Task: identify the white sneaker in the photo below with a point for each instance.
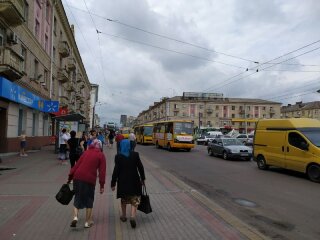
(88, 225)
(74, 222)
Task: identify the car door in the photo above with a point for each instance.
(296, 156)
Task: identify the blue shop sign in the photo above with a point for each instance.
(18, 94)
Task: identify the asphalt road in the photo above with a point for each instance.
(279, 203)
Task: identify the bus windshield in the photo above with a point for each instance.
(148, 131)
(183, 128)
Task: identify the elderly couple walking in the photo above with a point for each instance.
(128, 175)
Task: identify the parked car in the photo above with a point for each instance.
(245, 138)
(229, 148)
(208, 137)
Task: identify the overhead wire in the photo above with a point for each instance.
(169, 38)
(173, 51)
(257, 69)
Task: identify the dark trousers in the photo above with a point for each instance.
(132, 145)
(73, 159)
(118, 147)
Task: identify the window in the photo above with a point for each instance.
(209, 123)
(1, 40)
(224, 115)
(224, 107)
(175, 106)
(217, 107)
(37, 29)
(256, 115)
(200, 114)
(48, 8)
(54, 54)
(36, 69)
(24, 55)
(45, 78)
(233, 115)
(296, 140)
(256, 108)
(175, 114)
(46, 43)
(26, 12)
(217, 114)
(200, 106)
(233, 107)
(55, 26)
(263, 108)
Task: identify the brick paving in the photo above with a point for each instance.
(28, 209)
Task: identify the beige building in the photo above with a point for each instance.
(40, 64)
(211, 109)
(301, 110)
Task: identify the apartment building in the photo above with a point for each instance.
(211, 109)
(301, 110)
(40, 67)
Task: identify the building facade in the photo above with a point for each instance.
(39, 63)
(211, 109)
(301, 110)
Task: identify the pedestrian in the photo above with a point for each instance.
(67, 149)
(132, 138)
(63, 145)
(128, 176)
(84, 176)
(111, 137)
(101, 138)
(84, 138)
(23, 144)
(119, 138)
(93, 135)
(73, 145)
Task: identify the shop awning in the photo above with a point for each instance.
(74, 117)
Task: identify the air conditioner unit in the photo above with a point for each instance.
(12, 38)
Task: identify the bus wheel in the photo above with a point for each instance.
(261, 162)
(157, 145)
(313, 172)
(188, 149)
(169, 147)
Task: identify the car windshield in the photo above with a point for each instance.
(148, 131)
(183, 128)
(313, 135)
(231, 141)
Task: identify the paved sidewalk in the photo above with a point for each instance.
(28, 209)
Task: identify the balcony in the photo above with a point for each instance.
(64, 49)
(70, 88)
(176, 109)
(209, 111)
(12, 11)
(11, 63)
(241, 111)
(71, 64)
(63, 75)
(63, 101)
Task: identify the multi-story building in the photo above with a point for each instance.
(39, 64)
(123, 120)
(211, 109)
(301, 110)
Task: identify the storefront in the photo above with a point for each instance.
(23, 111)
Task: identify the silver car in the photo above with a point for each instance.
(229, 148)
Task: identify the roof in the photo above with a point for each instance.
(70, 117)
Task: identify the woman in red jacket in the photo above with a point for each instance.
(84, 175)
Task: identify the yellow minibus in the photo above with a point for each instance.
(143, 133)
(175, 134)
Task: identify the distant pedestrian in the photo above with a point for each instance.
(84, 138)
(132, 138)
(119, 138)
(23, 144)
(93, 135)
(128, 175)
(63, 138)
(101, 138)
(84, 175)
(73, 145)
(111, 137)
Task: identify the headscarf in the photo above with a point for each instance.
(95, 144)
(125, 147)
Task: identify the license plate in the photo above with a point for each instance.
(244, 154)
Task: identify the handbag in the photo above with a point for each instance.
(78, 148)
(65, 194)
(145, 205)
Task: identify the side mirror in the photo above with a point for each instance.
(304, 146)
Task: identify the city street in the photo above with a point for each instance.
(280, 203)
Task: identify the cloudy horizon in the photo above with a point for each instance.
(138, 53)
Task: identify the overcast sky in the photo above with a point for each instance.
(152, 49)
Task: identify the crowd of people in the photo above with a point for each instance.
(88, 162)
